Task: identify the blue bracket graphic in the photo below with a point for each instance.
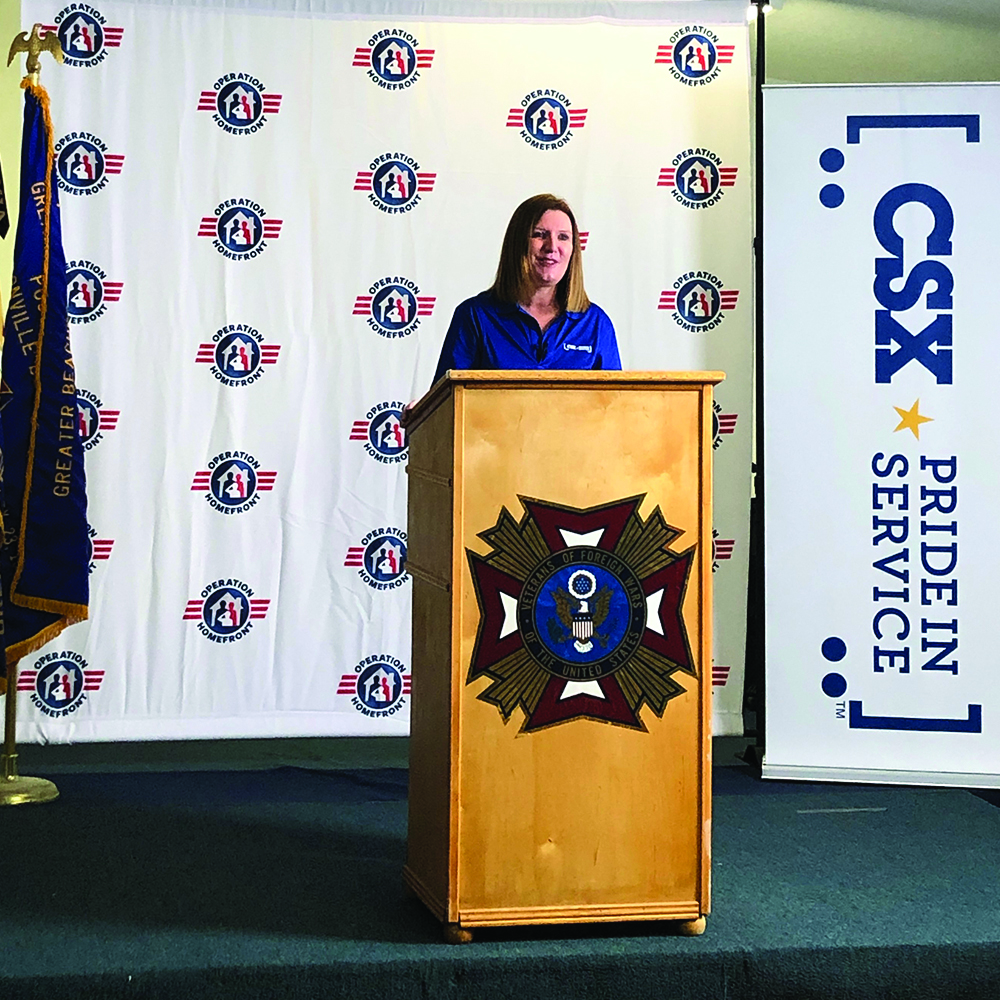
(855, 123)
(973, 724)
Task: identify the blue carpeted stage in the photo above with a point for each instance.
(286, 883)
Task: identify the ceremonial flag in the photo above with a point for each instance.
(4, 214)
(45, 558)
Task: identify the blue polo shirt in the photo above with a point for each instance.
(487, 333)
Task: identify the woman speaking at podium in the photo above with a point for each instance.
(536, 314)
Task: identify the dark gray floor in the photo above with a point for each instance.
(250, 755)
(233, 883)
(216, 755)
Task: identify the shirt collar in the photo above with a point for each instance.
(516, 309)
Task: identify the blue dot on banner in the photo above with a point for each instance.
(832, 195)
(831, 160)
(834, 685)
(834, 649)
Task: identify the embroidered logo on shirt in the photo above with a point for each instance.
(578, 347)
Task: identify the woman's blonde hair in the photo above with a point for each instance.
(513, 281)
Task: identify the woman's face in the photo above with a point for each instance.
(550, 247)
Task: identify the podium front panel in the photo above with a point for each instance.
(577, 783)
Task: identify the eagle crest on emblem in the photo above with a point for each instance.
(581, 622)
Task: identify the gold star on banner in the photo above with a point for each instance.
(911, 419)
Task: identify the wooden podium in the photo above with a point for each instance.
(560, 544)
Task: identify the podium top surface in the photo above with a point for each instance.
(532, 378)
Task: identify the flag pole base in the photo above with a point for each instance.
(16, 790)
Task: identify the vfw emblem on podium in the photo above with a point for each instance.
(580, 614)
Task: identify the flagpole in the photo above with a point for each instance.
(16, 789)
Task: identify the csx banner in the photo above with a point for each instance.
(270, 214)
(881, 364)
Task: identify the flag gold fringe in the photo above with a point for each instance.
(39, 639)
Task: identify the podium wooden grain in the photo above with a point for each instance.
(583, 821)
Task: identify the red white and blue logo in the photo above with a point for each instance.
(394, 306)
(100, 548)
(233, 482)
(59, 683)
(93, 421)
(722, 549)
(698, 301)
(580, 613)
(240, 229)
(84, 34)
(88, 291)
(696, 178)
(83, 163)
(694, 55)
(720, 675)
(393, 59)
(546, 119)
(382, 432)
(226, 610)
(379, 686)
(722, 423)
(380, 559)
(394, 182)
(237, 354)
(239, 103)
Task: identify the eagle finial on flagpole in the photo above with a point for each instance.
(34, 44)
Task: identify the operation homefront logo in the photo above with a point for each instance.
(722, 549)
(694, 55)
(83, 163)
(226, 610)
(580, 614)
(93, 421)
(380, 558)
(88, 291)
(240, 229)
(100, 548)
(84, 34)
(382, 432)
(239, 103)
(394, 306)
(59, 683)
(722, 423)
(237, 355)
(394, 182)
(393, 59)
(696, 178)
(697, 301)
(546, 119)
(233, 482)
(720, 674)
(378, 686)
